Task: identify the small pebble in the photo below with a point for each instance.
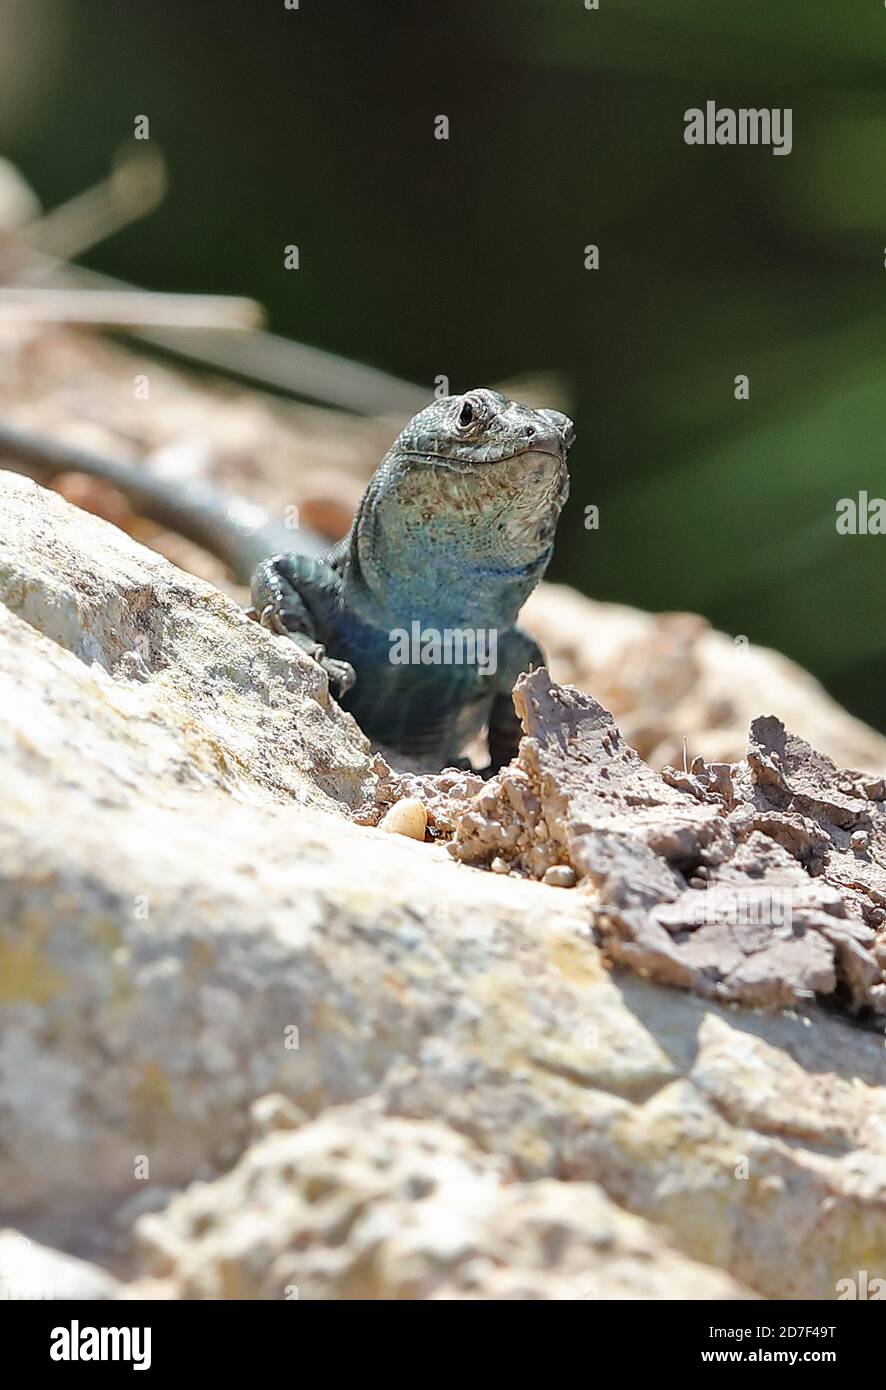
(858, 840)
(406, 817)
(500, 866)
(560, 876)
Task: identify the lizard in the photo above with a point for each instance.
(454, 531)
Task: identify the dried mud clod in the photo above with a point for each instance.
(761, 882)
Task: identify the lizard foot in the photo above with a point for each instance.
(340, 674)
(270, 618)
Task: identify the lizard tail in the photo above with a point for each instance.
(238, 533)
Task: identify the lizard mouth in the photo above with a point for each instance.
(456, 465)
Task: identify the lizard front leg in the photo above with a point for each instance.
(518, 652)
(290, 595)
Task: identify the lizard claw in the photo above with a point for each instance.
(270, 619)
(341, 674)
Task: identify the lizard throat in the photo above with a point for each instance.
(437, 541)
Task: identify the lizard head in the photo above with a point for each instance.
(483, 427)
(466, 502)
(485, 467)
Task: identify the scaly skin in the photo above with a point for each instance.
(454, 531)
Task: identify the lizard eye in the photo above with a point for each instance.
(471, 413)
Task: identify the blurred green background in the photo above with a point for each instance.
(466, 257)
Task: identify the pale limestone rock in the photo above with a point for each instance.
(189, 921)
(30, 1272)
(361, 1206)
